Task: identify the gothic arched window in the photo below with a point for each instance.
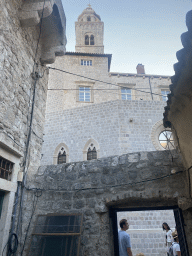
(86, 40)
(92, 40)
(91, 153)
(88, 18)
(61, 159)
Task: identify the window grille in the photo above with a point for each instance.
(166, 139)
(86, 62)
(164, 94)
(6, 168)
(92, 40)
(61, 158)
(57, 235)
(85, 94)
(86, 40)
(91, 154)
(126, 94)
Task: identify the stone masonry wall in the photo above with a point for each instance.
(17, 51)
(145, 230)
(108, 123)
(17, 48)
(93, 187)
(68, 98)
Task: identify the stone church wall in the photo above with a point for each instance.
(68, 98)
(145, 230)
(118, 127)
(94, 187)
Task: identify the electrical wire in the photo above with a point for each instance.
(108, 91)
(110, 186)
(189, 177)
(13, 249)
(26, 162)
(4, 248)
(100, 81)
(91, 89)
(40, 30)
(26, 155)
(37, 136)
(13, 139)
(37, 194)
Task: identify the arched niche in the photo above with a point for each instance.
(91, 143)
(57, 150)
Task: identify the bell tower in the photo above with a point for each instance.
(89, 32)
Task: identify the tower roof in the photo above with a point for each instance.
(88, 11)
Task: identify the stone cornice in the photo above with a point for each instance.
(53, 39)
(139, 75)
(109, 56)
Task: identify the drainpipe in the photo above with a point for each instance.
(15, 206)
(13, 221)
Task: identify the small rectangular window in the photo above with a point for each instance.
(6, 168)
(164, 94)
(57, 235)
(85, 94)
(86, 62)
(126, 94)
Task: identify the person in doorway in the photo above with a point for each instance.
(169, 238)
(124, 239)
(176, 246)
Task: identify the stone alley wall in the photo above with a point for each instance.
(17, 46)
(94, 187)
(32, 33)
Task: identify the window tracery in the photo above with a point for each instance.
(91, 153)
(89, 40)
(91, 150)
(61, 156)
(162, 139)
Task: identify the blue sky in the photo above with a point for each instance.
(135, 31)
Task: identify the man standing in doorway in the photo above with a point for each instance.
(124, 239)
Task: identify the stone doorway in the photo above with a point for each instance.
(153, 245)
